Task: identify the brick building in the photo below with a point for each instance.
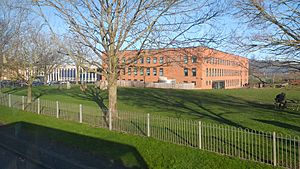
(205, 67)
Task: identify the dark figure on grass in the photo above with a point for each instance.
(280, 100)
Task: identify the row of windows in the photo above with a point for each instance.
(140, 71)
(216, 61)
(234, 82)
(141, 60)
(186, 72)
(228, 83)
(212, 72)
(161, 60)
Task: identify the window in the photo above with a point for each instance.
(154, 60)
(124, 71)
(161, 71)
(194, 59)
(186, 72)
(206, 72)
(135, 71)
(142, 60)
(135, 61)
(129, 71)
(123, 60)
(194, 71)
(148, 60)
(206, 83)
(185, 59)
(154, 71)
(209, 72)
(161, 60)
(148, 71)
(142, 71)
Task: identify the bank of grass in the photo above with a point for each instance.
(132, 151)
(246, 108)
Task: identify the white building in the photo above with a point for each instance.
(67, 73)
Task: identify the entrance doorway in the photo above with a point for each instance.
(218, 84)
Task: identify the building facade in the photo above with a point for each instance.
(206, 68)
(68, 73)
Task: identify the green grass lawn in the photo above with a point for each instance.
(132, 151)
(246, 108)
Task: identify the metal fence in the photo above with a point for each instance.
(265, 147)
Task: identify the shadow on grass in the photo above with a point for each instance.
(60, 149)
(219, 107)
(280, 124)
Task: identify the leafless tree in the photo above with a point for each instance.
(30, 55)
(50, 58)
(109, 27)
(273, 28)
(11, 19)
(76, 52)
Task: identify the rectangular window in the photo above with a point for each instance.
(135, 71)
(142, 60)
(154, 60)
(154, 71)
(148, 59)
(161, 60)
(186, 72)
(148, 71)
(135, 61)
(209, 72)
(194, 71)
(124, 60)
(161, 71)
(206, 72)
(142, 71)
(129, 71)
(124, 71)
(185, 59)
(194, 59)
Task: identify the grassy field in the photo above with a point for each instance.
(245, 108)
(131, 151)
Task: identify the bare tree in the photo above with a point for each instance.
(76, 52)
(11, 19)
(29, 56)
(50, 58)
(274, 28)
(109, 27)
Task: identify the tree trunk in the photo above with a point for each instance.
(29, 92)
(112, 96)
(45, 76)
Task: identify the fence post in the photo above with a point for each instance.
(23, 103)
(274, 149)
(200, 135)
(148, 125)
(80, 113)
(57, 110)
(9, 100)
(39, 106)
(110, 120)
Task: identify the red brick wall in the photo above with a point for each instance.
(173, 66)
